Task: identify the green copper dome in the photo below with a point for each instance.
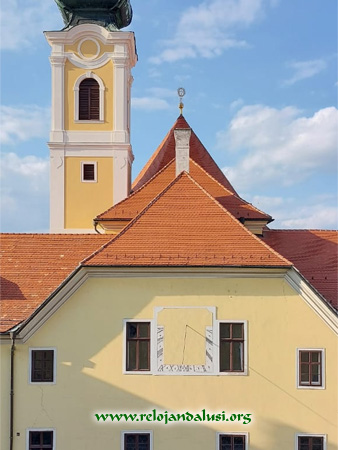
(110, 14)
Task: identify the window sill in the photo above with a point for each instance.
(88, 121)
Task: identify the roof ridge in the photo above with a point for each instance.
(137, 190)
(228, 190)
(193, 132)
(155, 153)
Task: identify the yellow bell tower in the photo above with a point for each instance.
(90, 151)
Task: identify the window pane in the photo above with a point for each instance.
(237, 356)
(304, 443)
(48, 355)
(143, 442)
(131, 355)
(224, 356)
(315, 356)
(130, 442)
(317, 443)
(238, 442)
(304, 356)
(237, 330)
(132, 330)
(315, 373)
(305, 375)
(225, 330)
(143, 329)
(143, 355)
(34, 437)
(47, 437)
(225, 443)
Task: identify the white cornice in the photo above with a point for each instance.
(122, 40)
(80, 275)
(312, 298)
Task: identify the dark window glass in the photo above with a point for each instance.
(138, 346)
(310, 368)
(310, 443)
(135, 441)
(89, 100)
(41, 440)
(231, 442)
(88, 172)
(42, 369)
(231, 347)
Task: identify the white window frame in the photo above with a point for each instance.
(297, 435)
(28, 430)
(94, 163)
(76, 89)
(322, 350)
(137, 432)
(31, 349)
(124, 356)
(245, 350)
(234, 433)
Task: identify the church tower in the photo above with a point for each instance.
(90, 151)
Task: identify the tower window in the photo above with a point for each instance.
(88, 171)
(89, 100)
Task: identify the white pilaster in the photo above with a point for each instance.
(57, 195)
(57, 61)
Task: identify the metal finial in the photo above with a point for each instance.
(181, 94)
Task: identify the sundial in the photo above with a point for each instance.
(110, 14)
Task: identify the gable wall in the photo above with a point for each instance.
(87, 332)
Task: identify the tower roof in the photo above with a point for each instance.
(110, 14)
(166, 152)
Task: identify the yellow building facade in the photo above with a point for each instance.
(87, 334)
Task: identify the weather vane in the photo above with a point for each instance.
(181, 94)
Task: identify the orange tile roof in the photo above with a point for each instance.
(34, 265)
(166, 152)
(185, 226)
(135, 203)
(314, 253)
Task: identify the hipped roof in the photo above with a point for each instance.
(186, 226)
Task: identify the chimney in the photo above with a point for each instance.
(182, 140)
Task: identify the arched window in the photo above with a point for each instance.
(89, 100)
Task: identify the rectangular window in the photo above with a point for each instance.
(231, 347)
(88, 171)
(232, 442)
(310, 443)
(138, 346)
(137, 441)
(42, 366)
(310, 368)
(40, 440)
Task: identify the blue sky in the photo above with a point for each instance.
(261, 83)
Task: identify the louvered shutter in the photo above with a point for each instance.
(89, 100)
(88, 172)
